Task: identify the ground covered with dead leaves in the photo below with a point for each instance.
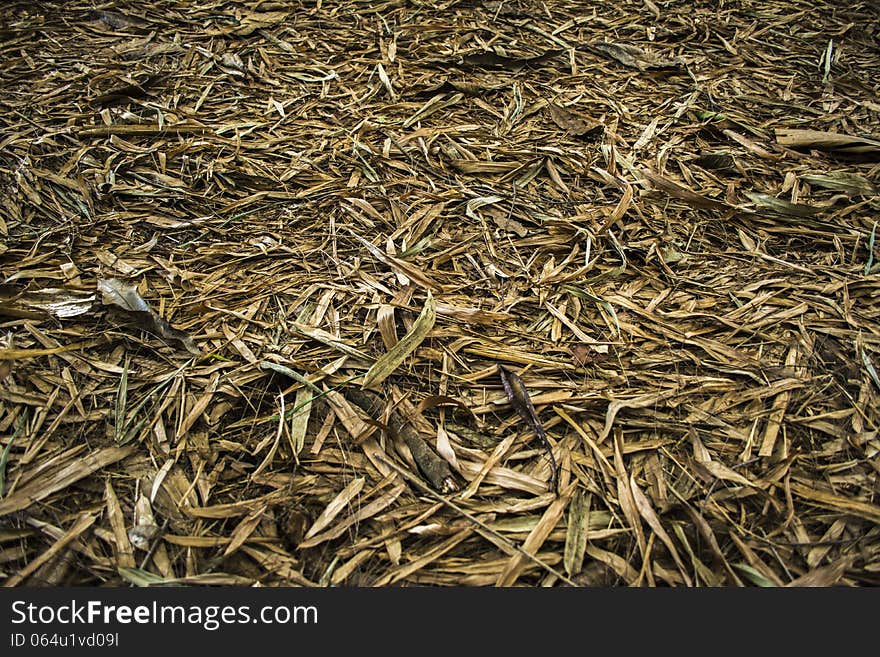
(265, 264)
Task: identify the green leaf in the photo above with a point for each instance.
(752, 574)
(140, 577)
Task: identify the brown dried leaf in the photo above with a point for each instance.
(492, 60)
(51, 482)
(828, 141)
(244, 529)
(117, 293)
(575, 124)
(519, 398)
(336, 505)
(389, 362)
(634, 56)
(536, 537)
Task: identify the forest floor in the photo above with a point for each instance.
(310, 293)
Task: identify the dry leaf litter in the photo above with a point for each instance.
(302, 293)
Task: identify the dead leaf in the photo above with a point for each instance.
(634, 56)
(575, 124)
(385, 365)
(519, 398)
(116, 293)
(492, 60)
(827, 141)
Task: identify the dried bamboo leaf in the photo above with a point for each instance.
(492, 60)
(382, 502)
(326, 338)
(21, 354)
(536, 537)
(837, 503)
(244, 529)
(386, 364)
(83, 522)
(617, 563)
(237, 191)
(299, 422)
(415, 565)
(625, 498)
(830, 141)
(387, 326)
(121, 402)
(116, 20)
(686, 195)
(471, 88)
(840, 181)
(576, 125)
(400, 425)
(124, 552)
(410, 271)
(4, 457)
(647, 512)
(754, 575)
(781, 205)
(59, 302)
(144, 527)
(824, 576)
(634, 56)
(115, 292)
(141, 577)
(518, 396)
(577, 532)
(336, 505)
(42, 487)
(642, 401)
(445, 449)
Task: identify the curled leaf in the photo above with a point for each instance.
(116, 293)
(519, 398)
